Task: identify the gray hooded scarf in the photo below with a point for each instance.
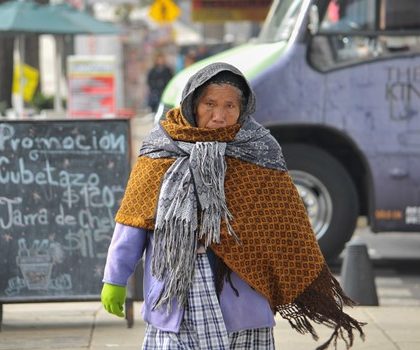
(217, 73)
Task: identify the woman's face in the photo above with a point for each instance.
(218, 106)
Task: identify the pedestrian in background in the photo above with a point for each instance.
(227, 238)
(157, 78)
(189, 58)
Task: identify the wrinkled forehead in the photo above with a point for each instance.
(218, 90)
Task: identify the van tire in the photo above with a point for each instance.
(320, 176)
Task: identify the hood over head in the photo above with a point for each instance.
(219, 73)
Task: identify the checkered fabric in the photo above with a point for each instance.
(260, 339)
(203, 327)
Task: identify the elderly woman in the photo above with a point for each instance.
(227, 239)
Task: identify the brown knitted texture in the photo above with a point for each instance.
(278, 254)
(141, 194)
(179, 129)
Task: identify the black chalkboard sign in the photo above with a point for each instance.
(60, 186)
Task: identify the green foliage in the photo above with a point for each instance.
(41, 101)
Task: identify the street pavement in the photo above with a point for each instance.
(86, 325)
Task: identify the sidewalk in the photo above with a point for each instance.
(85, 325)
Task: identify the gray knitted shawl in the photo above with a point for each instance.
(192, 204)
(193, 186)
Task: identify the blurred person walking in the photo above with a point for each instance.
(157, 78)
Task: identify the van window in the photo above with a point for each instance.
(400, 15)
(280, 21)
(349, 16)
(356, 31)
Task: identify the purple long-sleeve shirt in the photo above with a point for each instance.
(249, 310)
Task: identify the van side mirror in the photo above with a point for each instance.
(313, 20)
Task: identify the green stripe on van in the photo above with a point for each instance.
(250, 59)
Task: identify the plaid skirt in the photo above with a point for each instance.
(202, 326)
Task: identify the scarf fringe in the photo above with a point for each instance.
(322, 302)
(200, 181)
(175, 269)
(210, 223)
(211, 170)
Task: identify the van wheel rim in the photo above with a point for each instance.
(317, 200)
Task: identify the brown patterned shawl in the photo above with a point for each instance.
(278, 254)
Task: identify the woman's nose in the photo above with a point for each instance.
(219, 115)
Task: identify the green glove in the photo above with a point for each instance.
(113, 299)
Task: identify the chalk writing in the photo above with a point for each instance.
(35, 264)
(108, 142)
(10, 215)
(60, 185)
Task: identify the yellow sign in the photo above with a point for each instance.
(30, 81)
(164, 11)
